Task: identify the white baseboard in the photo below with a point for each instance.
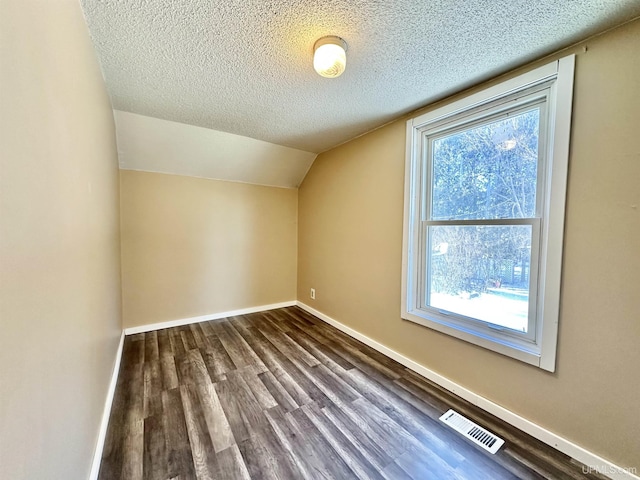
(595, 462)
(214, 316)
(102, 433)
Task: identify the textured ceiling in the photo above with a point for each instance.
(245, 66)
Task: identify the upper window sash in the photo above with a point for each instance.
(504, 108)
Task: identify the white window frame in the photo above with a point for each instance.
(552, 86)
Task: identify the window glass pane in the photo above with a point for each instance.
(488, 171)
(481, 272)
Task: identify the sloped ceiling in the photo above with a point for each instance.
(155, 145)
(245, 66)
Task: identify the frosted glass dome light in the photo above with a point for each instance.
(330, 57)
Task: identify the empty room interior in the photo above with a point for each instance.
(319, 240)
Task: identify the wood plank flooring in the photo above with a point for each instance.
(282, 395)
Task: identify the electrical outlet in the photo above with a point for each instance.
(313, 294)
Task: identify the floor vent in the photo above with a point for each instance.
(472, 431)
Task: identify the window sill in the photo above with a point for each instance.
(498, 345)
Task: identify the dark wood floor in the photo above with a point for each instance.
(282, 395)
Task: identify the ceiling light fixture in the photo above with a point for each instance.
(329, 56)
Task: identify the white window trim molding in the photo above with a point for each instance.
(543, 355)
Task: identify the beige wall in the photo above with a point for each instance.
(192, 246)
(60, 310)
(350, 248)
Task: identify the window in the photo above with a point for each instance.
(484, 214)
